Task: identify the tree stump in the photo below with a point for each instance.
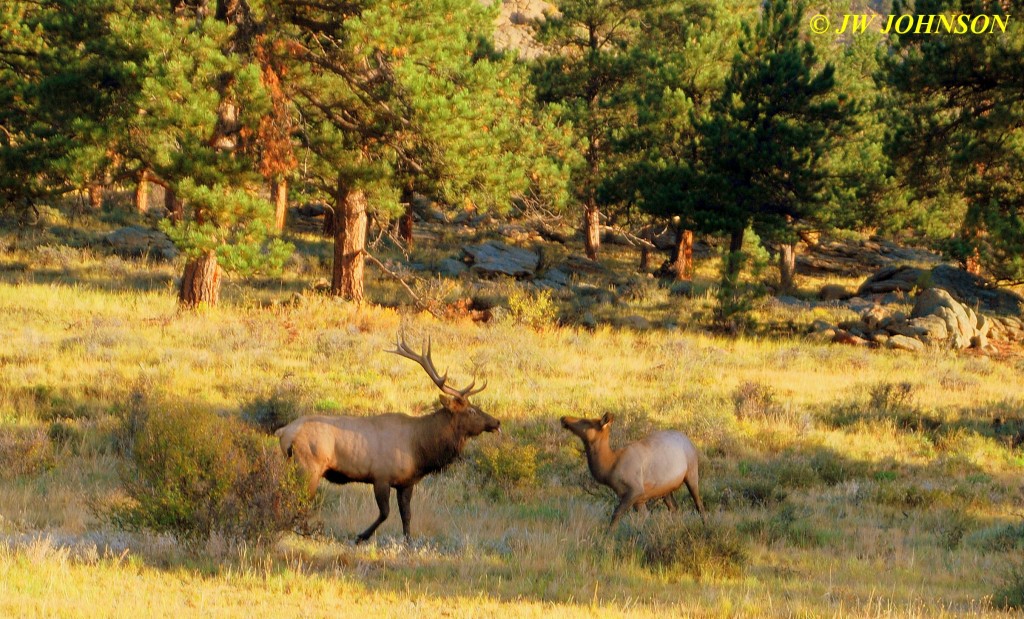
(201, 281)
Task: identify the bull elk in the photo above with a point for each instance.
(646, 470)
(392, 450)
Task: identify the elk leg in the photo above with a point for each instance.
(405, 509)
(691, 485)
(381, 492)
(625, 503)
(670, 502)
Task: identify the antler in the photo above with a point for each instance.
(402, 349)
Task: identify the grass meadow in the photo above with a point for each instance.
(839, 481)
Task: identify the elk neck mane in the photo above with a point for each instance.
(439, 441)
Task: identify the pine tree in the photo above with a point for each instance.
(166, 89)
(200, 105)
(57, 87)
(407, 96)
(759, 150)
(862, 191)
(958, 135)
(590, 76)
(685, 60)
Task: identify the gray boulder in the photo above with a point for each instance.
(902, 342)
(452, 267)
(967, 288)
(555, 279)
(961, 323)
(933, 327)
(496, 258)
(908, 330)
(975, 291)
(138, 242)
(834, 292)
(892, 279)
(638, 323)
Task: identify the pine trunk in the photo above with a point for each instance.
(787, 266)
(972, 263)
(279, 195)
(349, 244)
(200, 282)
(175, 207)
(95, 196)
(645, 258)
(142, 193)
(735, 262)
(682, 255)
(328, 226)
(405, 227)
(591, 230)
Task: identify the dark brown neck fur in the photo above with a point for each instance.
(439, 441)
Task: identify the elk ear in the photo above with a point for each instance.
(453, 404)
(606, 420)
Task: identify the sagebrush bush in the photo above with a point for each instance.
(786, 523)
(754, 400)
(1010, 594)
(282, 406)
(193, 474)
(25, 452)
(64, 435)
(905, 495)
(699, 549)
(506, 466)
(893, 398)
(998, 538)
(536, 309)
(832, 468)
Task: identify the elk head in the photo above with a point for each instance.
(589, 430)
(470, 419)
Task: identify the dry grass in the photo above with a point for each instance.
(842, 503)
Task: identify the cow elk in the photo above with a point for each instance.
(392, 450)
(646, 470)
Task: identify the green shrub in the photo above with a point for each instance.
(754, 400)
(693, 547)
(276, 410)
(193, 474)
(736, 298)
(786, 523)
(506, 466)
(754, 491)
(908, 495)
(1010, 594)
(998, 538)
(63, 434)
(833, 469)
(893, 398)
(25, 452)
(536, 310)
(951, 526)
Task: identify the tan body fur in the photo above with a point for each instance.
(649, 469)
(361, 449)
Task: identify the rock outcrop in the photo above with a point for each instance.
(937, 320)
(138, 242)
(967, 288)
(496, 258)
